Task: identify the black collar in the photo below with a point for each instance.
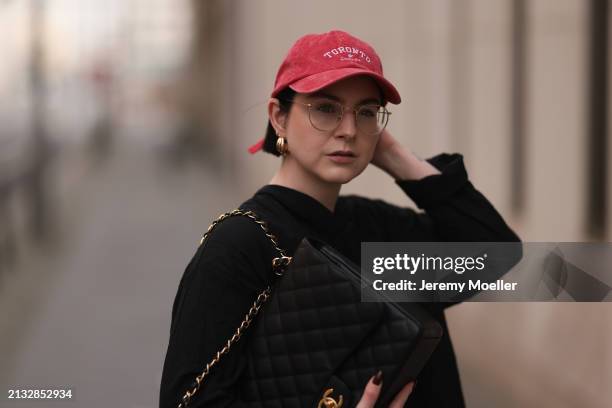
(307, 209)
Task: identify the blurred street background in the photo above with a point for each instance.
(124, 126)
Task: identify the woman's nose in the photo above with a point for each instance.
(347, 127)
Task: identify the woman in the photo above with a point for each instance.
(327, 120)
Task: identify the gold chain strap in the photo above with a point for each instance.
(278, 264)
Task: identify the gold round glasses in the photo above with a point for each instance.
(326, 116)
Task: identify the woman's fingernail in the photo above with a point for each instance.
(378, 378)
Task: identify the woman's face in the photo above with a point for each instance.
(332, 156)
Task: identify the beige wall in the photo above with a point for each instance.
(487, 138)
(557, 129)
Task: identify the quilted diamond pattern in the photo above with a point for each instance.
(315, 333)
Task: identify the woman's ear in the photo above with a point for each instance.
(277, 117)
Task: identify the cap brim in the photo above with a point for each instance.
(320, 80)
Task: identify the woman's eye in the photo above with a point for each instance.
(327, 108)
(368, 112)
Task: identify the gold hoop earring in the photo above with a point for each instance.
(282, 146)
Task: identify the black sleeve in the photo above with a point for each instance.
(217, 289)
(454, 210)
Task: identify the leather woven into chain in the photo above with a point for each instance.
(279, 264)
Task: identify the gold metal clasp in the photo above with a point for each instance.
(329, 402)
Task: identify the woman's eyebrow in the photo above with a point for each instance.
(320, 94)
(369, 100)
(335, 98)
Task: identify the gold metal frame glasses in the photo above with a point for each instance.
(343, 109)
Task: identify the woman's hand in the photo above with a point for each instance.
(372, 391)
(399, 162)
(386, 143)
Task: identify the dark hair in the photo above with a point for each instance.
(285, 100)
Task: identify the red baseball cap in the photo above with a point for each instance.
(319, 60)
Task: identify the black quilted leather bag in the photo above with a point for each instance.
(316, 344)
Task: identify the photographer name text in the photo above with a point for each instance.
(471, 284)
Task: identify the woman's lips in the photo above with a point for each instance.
(342, 157)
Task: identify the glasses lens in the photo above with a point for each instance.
(372, 119)
(325, 115)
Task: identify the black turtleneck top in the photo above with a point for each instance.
(225, 275)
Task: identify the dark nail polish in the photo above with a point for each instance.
(378, 378)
